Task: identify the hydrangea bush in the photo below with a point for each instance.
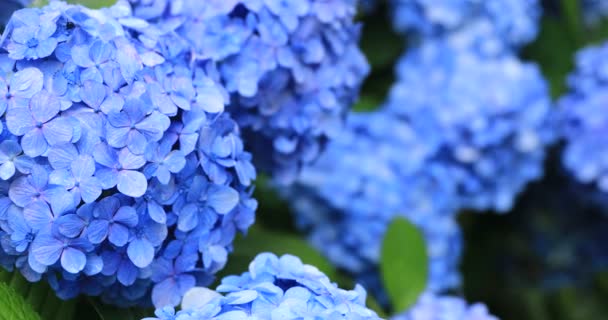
(514, 22)
(346, 201)
(487, 118)
(121, 174)
(276, 288)
(583, 119)
(433, 307)
(292, 69)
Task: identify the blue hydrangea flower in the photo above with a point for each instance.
(377, 170)
(583, 121)
(116, 157)
(488, 119)
(274, 288)
(433, 307)
(292, 69)
(514, 22)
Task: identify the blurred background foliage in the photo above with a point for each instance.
(519, 263)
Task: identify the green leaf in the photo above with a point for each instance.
(259, 240)
(403, 264)
(39, 297)
(93, 4)
(13, 306)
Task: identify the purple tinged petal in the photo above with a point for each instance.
(141, 252)
(73, 260)
(132, 183)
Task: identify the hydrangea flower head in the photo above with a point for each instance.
(276, 288)
(433, 307)
(583, 120)
(119, 166)
(488, 118)
(374, 171)
(515, 22)
(292, 68)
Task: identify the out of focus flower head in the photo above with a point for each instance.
(487, 117)
(583, 118)
(374, 171)
(594, 10)
(433, 307)
(292, 68)
(274, 288)
(514, 22)
(119, 168)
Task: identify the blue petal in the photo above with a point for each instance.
(70, 225)
(34, 144)
(97, 231)
(119, 235)
(132, 183)
(46, 249)
(44, 106)
(223, 199)
(73, 260)
(141, 252)
(27, 82)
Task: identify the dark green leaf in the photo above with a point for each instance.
(403, 264)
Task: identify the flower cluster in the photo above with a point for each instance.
(432, 307)
(276, 288)
(487, 118)
(374, 171)
(293, 69)
(119, 168)
(515, 22)
(583, 119)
